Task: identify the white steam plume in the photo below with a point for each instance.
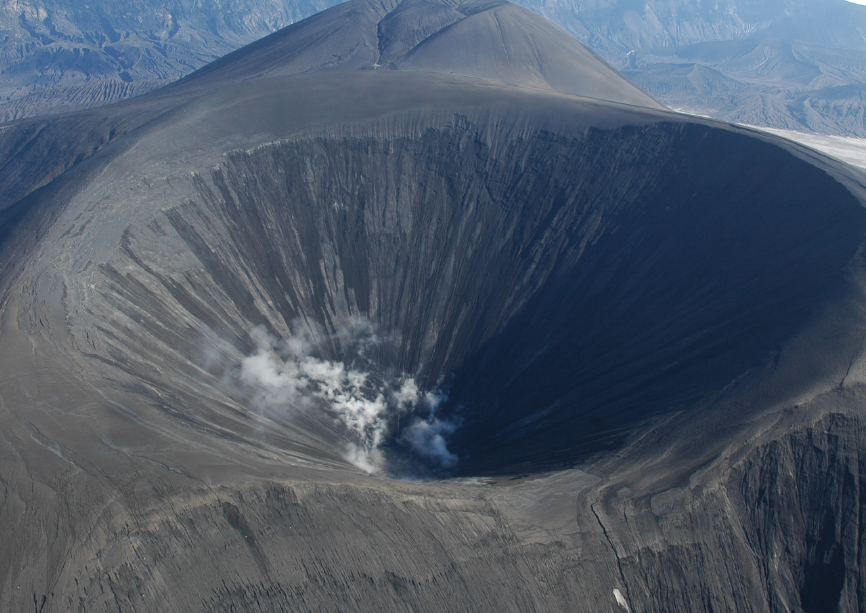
(426, 437)
(285, 376)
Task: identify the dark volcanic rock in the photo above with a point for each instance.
(623, 345)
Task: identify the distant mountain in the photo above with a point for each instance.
(617, 27)
(772, 82)
(789, 64)
(63, 54)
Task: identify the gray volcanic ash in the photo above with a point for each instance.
(612, 353)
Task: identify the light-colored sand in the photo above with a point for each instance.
(849, 150)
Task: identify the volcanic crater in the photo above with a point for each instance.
(414, 300)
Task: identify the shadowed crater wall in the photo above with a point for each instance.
(562, 290)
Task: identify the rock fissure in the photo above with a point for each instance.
(613, 550)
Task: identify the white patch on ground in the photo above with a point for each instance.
(847, 149)
(620, 599)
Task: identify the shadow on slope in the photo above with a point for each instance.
(700, 277)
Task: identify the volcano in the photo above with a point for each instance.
(420, 305)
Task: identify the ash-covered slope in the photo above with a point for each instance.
(234, 310)
(58, 57)
(791, 64)
(489, 40)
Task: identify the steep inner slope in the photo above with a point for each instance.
(559, 291)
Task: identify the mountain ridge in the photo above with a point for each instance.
(59, 60)
(472, 41)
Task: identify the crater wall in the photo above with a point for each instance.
(562, 291)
